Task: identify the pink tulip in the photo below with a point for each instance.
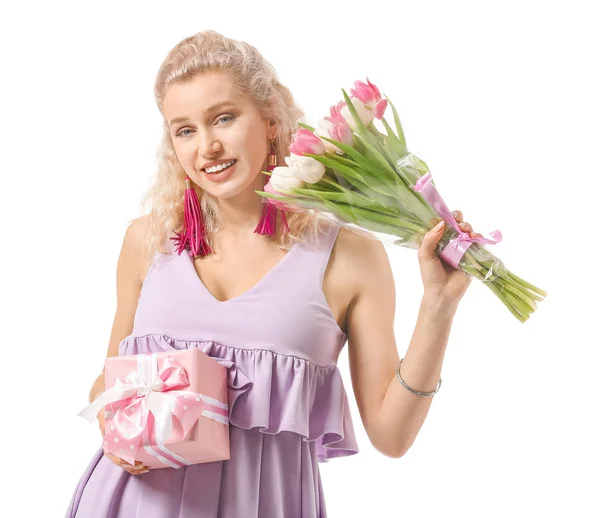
(305, 141)
(339, 130)
(367, 93)
(380, 109)
(370, 95)
(342, 133)
(335, 113)
(278, 203)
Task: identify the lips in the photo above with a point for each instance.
(221, 163)
(221, 176)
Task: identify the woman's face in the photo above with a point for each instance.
(203, 132)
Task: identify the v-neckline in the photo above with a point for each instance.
(261, 281)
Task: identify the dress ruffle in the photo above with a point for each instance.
(274, 392)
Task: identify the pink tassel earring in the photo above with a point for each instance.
(268, 221)
(193, 236)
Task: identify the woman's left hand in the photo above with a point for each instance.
(439, 278)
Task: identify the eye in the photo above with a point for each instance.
(180, 133)
(225, 117)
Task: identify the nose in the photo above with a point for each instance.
(209, 147)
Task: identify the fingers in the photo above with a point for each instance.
(458, 215)
(100, 418)
(465, 227)
(137, 469)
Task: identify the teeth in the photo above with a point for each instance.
(219, 167)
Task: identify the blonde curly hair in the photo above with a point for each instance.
(209, 51)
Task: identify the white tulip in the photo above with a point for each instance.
(306, 168)
(364, 113)
(282, 179)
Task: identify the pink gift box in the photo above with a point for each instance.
(176, 412)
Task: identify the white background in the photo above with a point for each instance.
(500, 99)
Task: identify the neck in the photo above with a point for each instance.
(241, 213)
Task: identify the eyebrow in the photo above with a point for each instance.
(213, 108)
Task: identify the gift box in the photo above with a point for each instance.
(166, 409)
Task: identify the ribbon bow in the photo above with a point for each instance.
(456, 248)
(142, 408)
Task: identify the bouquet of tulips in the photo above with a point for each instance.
(346, 167)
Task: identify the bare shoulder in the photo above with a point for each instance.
(363, 257)
(134, 245)
(129, 282)
(357, 239)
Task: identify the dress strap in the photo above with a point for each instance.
(327, 242)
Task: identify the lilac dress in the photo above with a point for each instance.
(288, 409)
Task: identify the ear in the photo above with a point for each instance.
(271, 129)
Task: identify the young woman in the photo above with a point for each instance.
(275, 308)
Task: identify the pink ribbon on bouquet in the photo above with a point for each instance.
(144, 407)
(456, 248)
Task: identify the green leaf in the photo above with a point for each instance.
(356, 155)
(280, 197)
(373, 129)
(389, 150)
(393, 140)
(348, 197)
(346, 171)
(360, 126)
(377, 191)
(367, 182)
(392, 154)
(367, 176)
(294, 201)
(372, 181)
(375, 156)
(400, 131)
(327, 185)
(371, 220)
(341, 159)
(306, 126)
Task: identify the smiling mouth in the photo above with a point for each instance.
(233, 162)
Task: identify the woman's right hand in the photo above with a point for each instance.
(138, 469)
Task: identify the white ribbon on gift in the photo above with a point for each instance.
(145, 383)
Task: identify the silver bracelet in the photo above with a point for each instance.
(418, 393)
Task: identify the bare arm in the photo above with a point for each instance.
(129, 285)
(403, 413)
(391, 414)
